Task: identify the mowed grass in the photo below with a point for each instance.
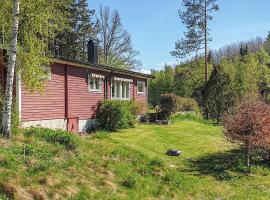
(131, 164)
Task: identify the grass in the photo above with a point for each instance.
(130, 164)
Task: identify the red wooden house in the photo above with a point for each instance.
(73, 91)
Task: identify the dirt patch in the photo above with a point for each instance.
(14, 192)
(38, 194)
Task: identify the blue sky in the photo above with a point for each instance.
(155, 25)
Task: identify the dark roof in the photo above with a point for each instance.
(107, 68)
(104, 67)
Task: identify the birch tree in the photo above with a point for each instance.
(6, 121)
(28, 31)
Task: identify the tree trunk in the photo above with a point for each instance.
(205, 41)
(7, 105)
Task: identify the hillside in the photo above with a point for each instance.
(130, 164)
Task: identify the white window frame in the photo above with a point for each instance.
(144, 87)
(95, 77)
(124, 95)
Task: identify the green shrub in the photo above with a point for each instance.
(187, 104)
(171, 103)
(114, 115)
(68, 140)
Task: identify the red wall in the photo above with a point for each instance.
(80, 102)
(141, 98)
(50, 104)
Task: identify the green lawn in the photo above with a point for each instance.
(131, 164)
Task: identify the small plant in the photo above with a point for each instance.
(68, 140)
(114, 115)
(157, 162)
(130, 181)
(250, 126)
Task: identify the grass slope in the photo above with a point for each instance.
(131, 164)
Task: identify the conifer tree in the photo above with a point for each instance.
(217, 94)
(195, 18)
(80, 29)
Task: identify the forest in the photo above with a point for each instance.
(238, 71)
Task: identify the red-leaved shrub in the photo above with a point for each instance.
(249, 125)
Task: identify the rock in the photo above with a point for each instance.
(172, 152)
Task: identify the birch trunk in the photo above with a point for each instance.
(7, 105)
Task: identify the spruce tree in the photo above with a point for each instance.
(217, 94)
(79, 31)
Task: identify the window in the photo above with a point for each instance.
(141, 87)
(95, 83)
(120, 88)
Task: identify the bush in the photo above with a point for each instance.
(249, 125)
(171, 103)
(138, 107)
(68, 140)
(187, 105)
(168, 104)
(114, 115)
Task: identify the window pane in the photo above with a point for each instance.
(97, 84)
(117, 89)
(113, 89)
(127, 90)
(140, 87)
(123, 90)
(92, 83)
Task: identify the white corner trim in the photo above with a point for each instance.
(19, 95)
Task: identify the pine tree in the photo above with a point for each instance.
(196, 18)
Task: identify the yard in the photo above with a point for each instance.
(131, 164)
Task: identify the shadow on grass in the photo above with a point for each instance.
(222, 165)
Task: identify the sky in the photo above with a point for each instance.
(155, 25)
